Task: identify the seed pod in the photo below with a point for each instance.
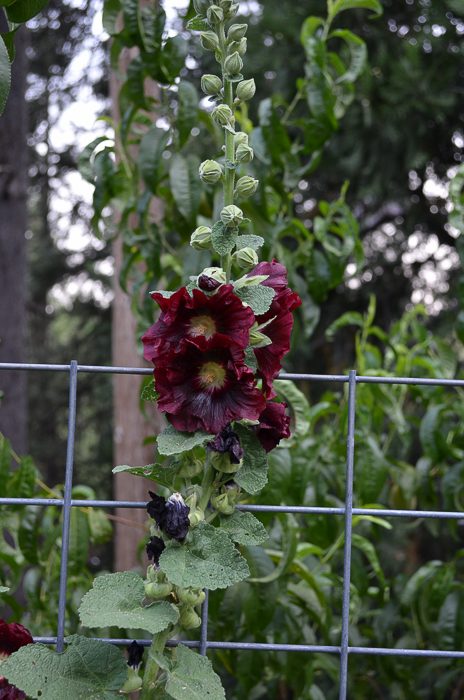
(244, 153)
(132, 685)
(210, 172)
(190, 596)
(191, 468)
(246, 90)
(157, 591)
(236, 32)
(223, 464)
(223, 115)
(246, 186)
(188, 618)
(221, 503)
(214, 15)
(233, 64)
(211, 84)
(201, 238)
(209, 41)
(231, 215)
(246, 258)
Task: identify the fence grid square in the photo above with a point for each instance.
(344, 649)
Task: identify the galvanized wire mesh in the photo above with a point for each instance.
(343, 649)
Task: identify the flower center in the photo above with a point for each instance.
(212, 375)
(202, 325)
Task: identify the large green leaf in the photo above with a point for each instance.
(187, 116)
(207, 560)
(152, 147)
(185, 185)
(5, 75)
(192, 678)
(22, 10)
(116, 600)
(244, 528)
(252, 475)
(172, 441)
(87, 670)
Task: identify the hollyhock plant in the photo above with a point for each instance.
(220, 316)
(206, 385)
(274, 425)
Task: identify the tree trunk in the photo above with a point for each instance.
(13, 222)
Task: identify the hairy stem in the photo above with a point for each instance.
(151, 666)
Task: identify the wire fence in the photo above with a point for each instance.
(344, 650)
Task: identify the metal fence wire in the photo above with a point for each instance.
(343, 649)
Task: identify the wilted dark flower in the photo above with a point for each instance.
(208, 284)
(10, 692)
(274, 425)
(279, 321)
(207, 386)
(134, 655)
(154, 549)
(13, 636)
(171, 516)
(198, 319)
(227, 441)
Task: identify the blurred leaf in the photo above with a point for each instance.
(152, 147)
(185, 185)
(5, 75)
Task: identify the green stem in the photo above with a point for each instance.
(206, 485)
(151, 666)
(229, 174)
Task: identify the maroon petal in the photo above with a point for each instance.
(274, 425)
(13, 636)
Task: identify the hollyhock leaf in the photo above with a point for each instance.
(172, 442)
(222, 238)
(259, 298)
(198, 24)
(250, 241)
(115, 600)
(250, 359)
(252, 476)
(207, 560)
(88, 669)
(192, 677)
(162, 475)
(244, 528)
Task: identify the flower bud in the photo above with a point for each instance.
(233, 64)
(209, 41)
(211, 84)
(246, 258)
(246, 89)
(223, 115)
(231, 215)
(190, 596)
(214, 14)
(196, 516)
(229, 7)
(157, 591)
(215, 273)
(208, 284)
(201, 238)
(239, 46)
(210, 172)
(246, 186)
(222, 463)
(240, 137)
(244, 153)
(221, 504)
(201, 6)
(189, 619)
(236, 32)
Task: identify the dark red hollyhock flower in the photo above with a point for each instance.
(171, 516)
(154, 548)
(200, 317)
(13, 636)
(10, 692)
(274, 425)
(227, 441)
(207, 386)
(280, 320)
